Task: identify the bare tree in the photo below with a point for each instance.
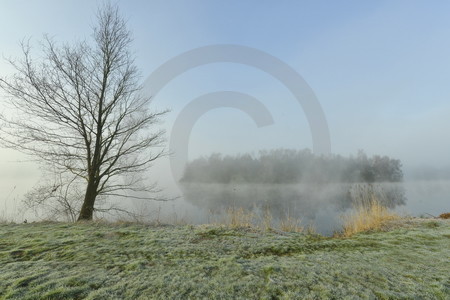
(80, 110)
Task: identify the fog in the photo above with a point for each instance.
(319, 205)
(379, 72)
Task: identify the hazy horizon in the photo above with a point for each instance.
(379, 70)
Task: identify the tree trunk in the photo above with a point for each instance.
(87, 209)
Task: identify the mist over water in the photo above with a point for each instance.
(426, 197)
(205, 203)
(322, 207)
(319, 204)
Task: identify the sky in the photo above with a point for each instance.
(379, 69)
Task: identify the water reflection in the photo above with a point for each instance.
(318, 204)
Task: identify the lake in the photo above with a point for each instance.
(319, 205)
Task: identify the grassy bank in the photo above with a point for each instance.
(130, 261)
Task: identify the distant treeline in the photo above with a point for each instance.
(293, 166)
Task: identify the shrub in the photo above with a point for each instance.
(444, 216)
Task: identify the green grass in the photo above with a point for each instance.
(131, 261)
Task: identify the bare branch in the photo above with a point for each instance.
(79, 110)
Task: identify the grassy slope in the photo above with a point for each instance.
(101, 261)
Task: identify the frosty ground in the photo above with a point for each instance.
(407, 259)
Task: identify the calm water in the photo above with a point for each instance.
(321, 206)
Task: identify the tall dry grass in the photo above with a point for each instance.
(291, 224)
(238, 217)
(369, 213)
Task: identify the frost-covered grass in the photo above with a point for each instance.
(131, 261)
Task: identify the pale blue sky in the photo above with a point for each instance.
(380, 69)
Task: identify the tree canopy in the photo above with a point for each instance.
(292, 166)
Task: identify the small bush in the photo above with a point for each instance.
(444, 216)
